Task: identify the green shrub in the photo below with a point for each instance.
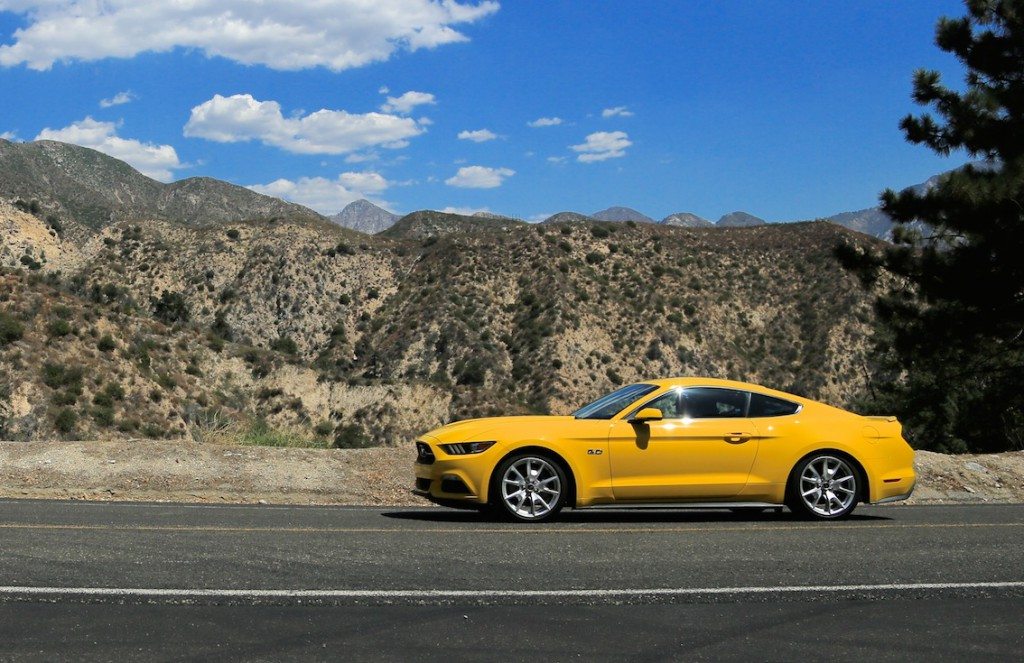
(114, 390)
(171, 308)
(55, 224)
(594, 258)
(58, 328)
(58, 376)
(65, 420)
(233, 233)
(11, 329)
(351, 436)
(285, 345)
(103, 399)
(471, 372)
(30, 262)
(103, 415)
(260, 434)
(106, 343)
(61, 398)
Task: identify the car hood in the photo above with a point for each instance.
(491, 428)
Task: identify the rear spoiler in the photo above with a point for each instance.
(886, 426)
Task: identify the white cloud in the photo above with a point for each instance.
(406, 102)
(545, 122)
(603, 145)
(556, 159)
(478, 135)
(9, 135)
(618, 111)
(383, 89)
(465, 211)
(479, 177)
(125, 97)
(362, 157)
(281, 34)
(324, 195)
(241, 118)
(156, 161)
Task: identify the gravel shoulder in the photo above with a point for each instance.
(145, 470)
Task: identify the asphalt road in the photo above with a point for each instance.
(102, 581)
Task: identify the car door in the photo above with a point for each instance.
(703, 448)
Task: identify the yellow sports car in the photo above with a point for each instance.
(681, 441)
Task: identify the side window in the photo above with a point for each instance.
(714, 403)
(668, 404)
(769, 406)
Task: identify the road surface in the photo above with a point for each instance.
(108, 581)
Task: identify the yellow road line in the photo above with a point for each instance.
(492, 530)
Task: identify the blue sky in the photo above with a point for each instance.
(785, 109)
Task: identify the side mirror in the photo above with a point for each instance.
(645, 415)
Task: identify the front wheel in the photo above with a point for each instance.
(824, 487)
(529, 488)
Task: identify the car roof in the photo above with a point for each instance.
(718, 382)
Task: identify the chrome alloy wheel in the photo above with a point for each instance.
(531, 488)
(828, 486)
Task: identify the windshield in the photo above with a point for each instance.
(608, 406)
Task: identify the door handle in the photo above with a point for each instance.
(736, 438)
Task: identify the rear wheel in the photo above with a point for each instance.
(529, 488)
(825, 487)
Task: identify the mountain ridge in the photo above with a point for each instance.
(81, 190)
(86, 190)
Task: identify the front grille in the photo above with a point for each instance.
(424, 456)
(422, 484)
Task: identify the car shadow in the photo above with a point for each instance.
(622, 516)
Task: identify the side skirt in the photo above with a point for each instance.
(685, 505)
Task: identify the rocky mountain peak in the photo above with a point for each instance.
(621, 214)
(364, 216)
(739, 220)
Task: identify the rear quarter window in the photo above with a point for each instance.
(769, 406)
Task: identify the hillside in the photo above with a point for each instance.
(430, 224)
(303, 326)
(83, 191)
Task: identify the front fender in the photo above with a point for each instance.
(587, 471)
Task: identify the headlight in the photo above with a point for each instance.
(464, 448)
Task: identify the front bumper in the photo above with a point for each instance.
(453, 480)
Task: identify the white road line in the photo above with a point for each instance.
(139, 592)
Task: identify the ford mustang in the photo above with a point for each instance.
(683, 441)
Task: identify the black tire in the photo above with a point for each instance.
(542, 494)
(824, 486)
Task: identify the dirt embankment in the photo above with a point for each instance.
(175, 471)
